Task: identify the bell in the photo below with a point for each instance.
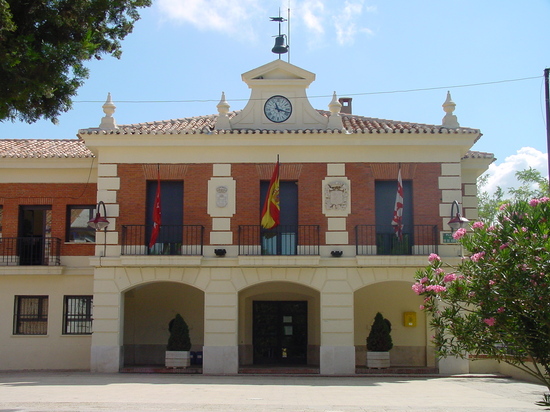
(280, 47)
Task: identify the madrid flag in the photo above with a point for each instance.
(156, 215)
(397, 220)
(271, 210)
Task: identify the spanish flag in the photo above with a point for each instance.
(271, 210)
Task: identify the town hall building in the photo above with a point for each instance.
(301, 294)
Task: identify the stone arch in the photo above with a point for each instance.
(278, 291)
(148, 308)
(392, 298)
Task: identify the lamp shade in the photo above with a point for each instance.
(99, 222)
(457, 222)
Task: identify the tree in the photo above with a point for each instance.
(43, 47)
(379, 339)
(496, 302)
(179, 339)
(533, 185)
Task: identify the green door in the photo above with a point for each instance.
(280, 332)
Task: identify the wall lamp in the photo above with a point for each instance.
(457, 221)
(99, 222)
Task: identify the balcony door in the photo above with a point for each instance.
(282, 240)
(34, 226)
(386, 241)
(170, 237)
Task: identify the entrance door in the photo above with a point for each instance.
(280, 332)
(34, 226)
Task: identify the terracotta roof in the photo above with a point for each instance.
(206, 124)
(43, 149)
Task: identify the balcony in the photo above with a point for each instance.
(30, 251)
(284, 240)
(381, 240)
(173, 240)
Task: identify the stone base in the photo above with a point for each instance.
(378, 360)
(177, 359)
(220, 360)
(337, 360)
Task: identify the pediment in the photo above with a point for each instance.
(278, 70)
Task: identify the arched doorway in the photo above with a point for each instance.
(393, 299)
(148, 309)
(279, 325)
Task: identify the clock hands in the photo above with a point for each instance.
(281, 110)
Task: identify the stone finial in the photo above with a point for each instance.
(335, 121)
(223, 119)
(108, 122)
(449, 120)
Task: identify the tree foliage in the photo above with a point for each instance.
(532, 185)
(496, 302)
(379, 339)
(44, 45)
(179, 339)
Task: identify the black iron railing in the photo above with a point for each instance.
(282, 240)
(382, 240)
(30, 251)
(171, 240)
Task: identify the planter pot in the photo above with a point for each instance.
(378, 360)
(178, 359)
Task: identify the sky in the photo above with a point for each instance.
(397, 59)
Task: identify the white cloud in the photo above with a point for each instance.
(234, 18)
(320, 19)
(345, 22)
(503, 174)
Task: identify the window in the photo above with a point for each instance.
(31, 315)
(77, 315)
(78, 230)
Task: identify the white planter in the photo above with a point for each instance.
(177, 359)
(378, 360)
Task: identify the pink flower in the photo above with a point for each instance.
(434, 257)
(439, 271)
(421, 307)
(477, 225)
(459, 233)
(491, 229)
(544, 199)
(490, 321)
(424, 279)
(503, 246)
(500, 310)
(492, 282)
(418, 288)
(534, 202)
(436, 288)
(449, 277)
(477, 256)
(503, 206)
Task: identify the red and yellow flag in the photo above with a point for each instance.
(271, 210)
(156, 215)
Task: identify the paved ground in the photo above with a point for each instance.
(82, 391)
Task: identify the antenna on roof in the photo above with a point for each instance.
(281, 45)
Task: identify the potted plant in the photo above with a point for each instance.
(179, 344)
(379, 343)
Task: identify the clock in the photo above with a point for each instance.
(277, 109)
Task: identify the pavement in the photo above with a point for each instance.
(84, 391)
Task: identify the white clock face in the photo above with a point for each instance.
(277, 109)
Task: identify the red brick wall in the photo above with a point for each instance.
(56, 195)
(426, 195)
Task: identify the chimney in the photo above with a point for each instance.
(346, 104)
